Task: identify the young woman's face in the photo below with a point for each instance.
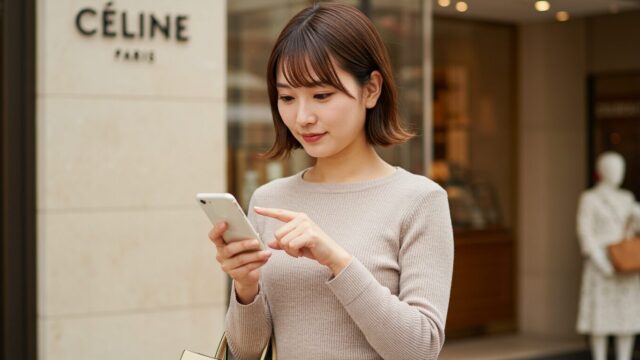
(323, 119)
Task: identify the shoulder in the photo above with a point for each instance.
(592, 195)
(589, 195)
(418, 195)
(628, 195)
(425, 206)
(418, 188)
(274, 188)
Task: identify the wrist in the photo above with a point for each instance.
(340, 262)
(245, 294)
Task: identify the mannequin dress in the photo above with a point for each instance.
(609, 302)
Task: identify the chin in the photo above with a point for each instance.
(318, 152)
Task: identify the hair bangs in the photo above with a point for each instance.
(305, 63)
(316, 43)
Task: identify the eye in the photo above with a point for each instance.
(323, 96)
(285, 98)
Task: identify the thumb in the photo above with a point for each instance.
(274, 245)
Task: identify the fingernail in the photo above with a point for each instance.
(257, 207)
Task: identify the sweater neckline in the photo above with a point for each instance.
(346, 187)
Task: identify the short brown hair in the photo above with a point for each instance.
(316, 36)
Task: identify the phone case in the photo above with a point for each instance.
(221, 207)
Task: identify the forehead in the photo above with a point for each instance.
(284, 73)
(308, 71)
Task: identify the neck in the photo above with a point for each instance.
(358, 162)
(606, 186)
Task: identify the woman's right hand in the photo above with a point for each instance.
(241, 260)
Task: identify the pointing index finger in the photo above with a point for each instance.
(280, 214)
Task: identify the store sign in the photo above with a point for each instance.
(618, 109)
(108, 22)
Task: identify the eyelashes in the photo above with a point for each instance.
(286, 99)
(322, 96)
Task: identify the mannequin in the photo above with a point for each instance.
(609, 302)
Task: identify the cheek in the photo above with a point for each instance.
(287, 113)
(348, 118)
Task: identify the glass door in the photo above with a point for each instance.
(615, 123)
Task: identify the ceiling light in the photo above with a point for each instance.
(462, 6)
(562, 16)
(444, 3)
(542, 5)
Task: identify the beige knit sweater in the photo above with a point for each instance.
(390, 302)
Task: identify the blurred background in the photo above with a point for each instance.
(114, 114)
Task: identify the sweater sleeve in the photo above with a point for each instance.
(248, 327)
(410, 325)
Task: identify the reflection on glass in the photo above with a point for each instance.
(473, 121)
(253, 27)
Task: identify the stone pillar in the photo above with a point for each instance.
(129, 128)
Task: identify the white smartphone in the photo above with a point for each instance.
(221, 207)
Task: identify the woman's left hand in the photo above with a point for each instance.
(300, 236)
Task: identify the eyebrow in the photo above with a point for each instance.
(287, 86)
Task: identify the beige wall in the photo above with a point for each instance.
(552, 173)
(125, 270)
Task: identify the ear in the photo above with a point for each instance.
(372, 89)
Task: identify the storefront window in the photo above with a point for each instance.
(252, 30)
(474, 160)
(473, 121)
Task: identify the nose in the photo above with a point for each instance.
(306, 115)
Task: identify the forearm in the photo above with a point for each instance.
(248, 327)
(597, 255)
(395, 329)
(589, 247)
(600, 259)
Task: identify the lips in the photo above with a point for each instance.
(312, 137)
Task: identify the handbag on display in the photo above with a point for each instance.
(625, 255)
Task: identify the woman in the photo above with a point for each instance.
(361, 252)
